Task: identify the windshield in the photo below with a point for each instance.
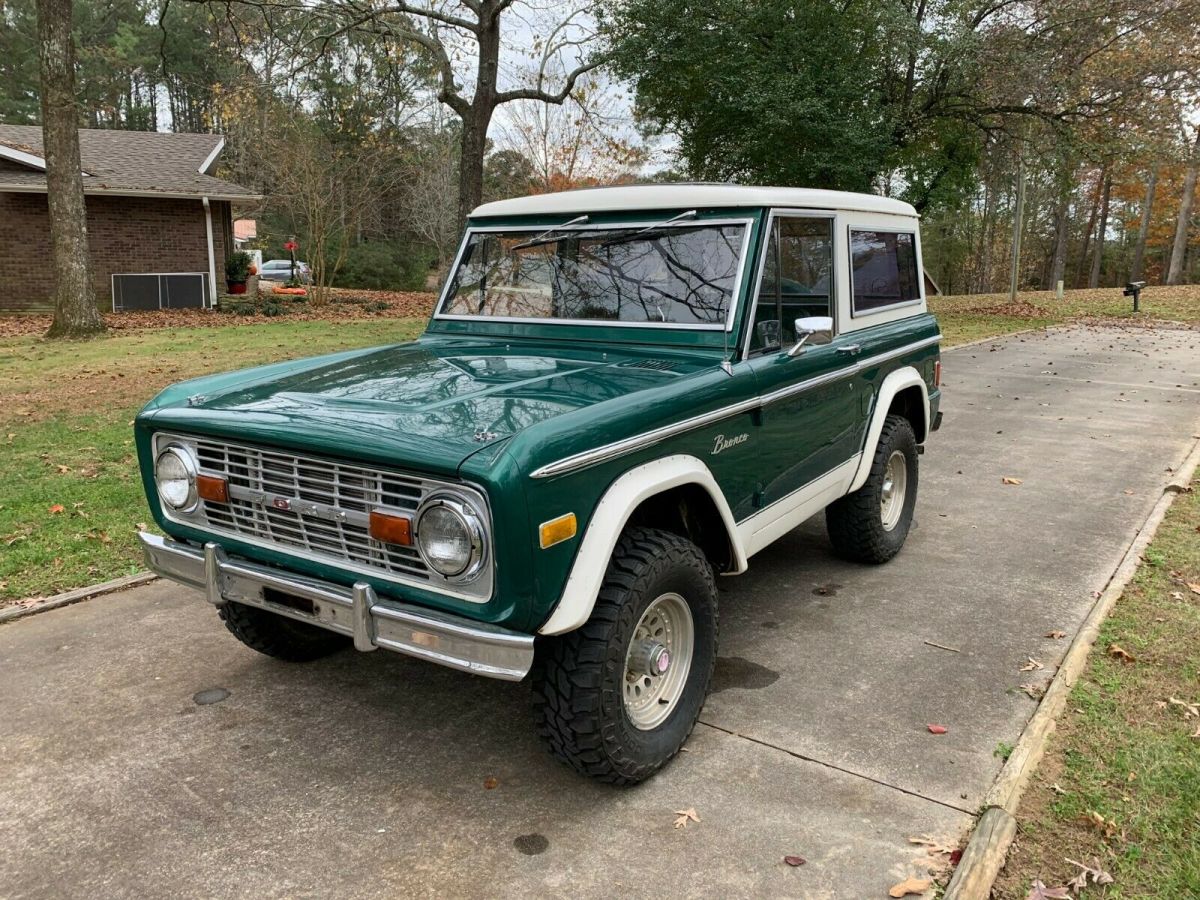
(682, 275)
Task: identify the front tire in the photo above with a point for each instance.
(278, 636)
(871, 524)
(617, 698)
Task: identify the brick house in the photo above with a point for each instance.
(159, 224)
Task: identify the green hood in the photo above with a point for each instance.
(427, 405)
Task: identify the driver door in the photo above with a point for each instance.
(808, 424)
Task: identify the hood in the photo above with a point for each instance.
(428, 405)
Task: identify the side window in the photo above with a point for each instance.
(884, 269)
(796, 280)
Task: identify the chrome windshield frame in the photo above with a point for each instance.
(747, 223)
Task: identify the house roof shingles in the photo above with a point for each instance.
(128, 162)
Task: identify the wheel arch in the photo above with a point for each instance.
(676, 493)
(903, 391)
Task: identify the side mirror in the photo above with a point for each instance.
(812, 330)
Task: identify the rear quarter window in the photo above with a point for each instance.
(883, 269)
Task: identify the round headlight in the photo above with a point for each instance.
(450, 537)
(175, 474)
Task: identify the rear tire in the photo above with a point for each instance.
(278, 636)
(870, 525)
(599, 704)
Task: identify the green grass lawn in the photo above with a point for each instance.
(70, 499)
(1123, 750)
(65, 437)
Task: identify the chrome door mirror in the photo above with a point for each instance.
(812, 330)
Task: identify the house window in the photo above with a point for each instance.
(796, 280)
(884, 269)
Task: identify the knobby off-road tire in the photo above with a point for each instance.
(861, 525)
(579, 679)
(279, 636)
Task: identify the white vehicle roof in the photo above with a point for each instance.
(687, 196)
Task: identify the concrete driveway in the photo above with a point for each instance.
(364, 775)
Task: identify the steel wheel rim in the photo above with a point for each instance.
(895, 486)
(649, 699)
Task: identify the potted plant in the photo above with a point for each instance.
(237, 270)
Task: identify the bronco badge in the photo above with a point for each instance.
(724, 443)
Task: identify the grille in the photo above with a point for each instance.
(345, 493)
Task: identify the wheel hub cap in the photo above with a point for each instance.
(658, 660)
(892, 493)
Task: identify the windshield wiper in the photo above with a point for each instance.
(690, 214)
(543, 239)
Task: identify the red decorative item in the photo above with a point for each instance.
(237, 287)
(291, 246)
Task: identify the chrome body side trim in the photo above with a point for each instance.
(650, 438)
(358, 612)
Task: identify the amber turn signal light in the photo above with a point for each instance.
(557, 530)
(212, 489)
(390, 529)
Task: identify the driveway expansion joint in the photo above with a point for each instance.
(837, 768)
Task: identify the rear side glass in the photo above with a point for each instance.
(884, 269)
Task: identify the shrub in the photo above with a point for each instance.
(385, 266)
(237, 267)
(274, 308)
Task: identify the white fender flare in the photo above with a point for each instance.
(608, 521)
(893, 384)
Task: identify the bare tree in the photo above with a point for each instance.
(450, 31)
(576, 143)
(75, 313)
(326, 190)
(1179, 249)
(427, 199)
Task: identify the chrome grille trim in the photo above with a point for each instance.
(328, 509)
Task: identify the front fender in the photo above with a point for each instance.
(608, 521)
(893, 384)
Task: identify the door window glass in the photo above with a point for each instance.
(884, 269)
(796, 280)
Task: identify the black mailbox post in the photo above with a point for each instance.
(1134, 290)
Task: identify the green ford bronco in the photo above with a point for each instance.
(622, 393)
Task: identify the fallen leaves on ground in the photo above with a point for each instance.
(1056, 634)
(939, 857)
(795, 860)
(57, 508)
(1033, 690)
(491, 782)
(1193, 587)
(684, 815)
(1106, 827)
(1189, 709)
(1094, 873)
(937, 729)
(1031, 665)
(910, 885)
(1039, 891)
(1116, 651)
(346, 304)
(1008, 479)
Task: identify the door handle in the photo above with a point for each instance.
(850, 349)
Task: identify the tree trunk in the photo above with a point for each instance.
(1091, 225)
(479, 116)
(1062, 225)
(1098, 252)
(1179, 250)
(75, 313)
(1139, 249)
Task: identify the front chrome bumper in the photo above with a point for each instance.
(356, 612)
